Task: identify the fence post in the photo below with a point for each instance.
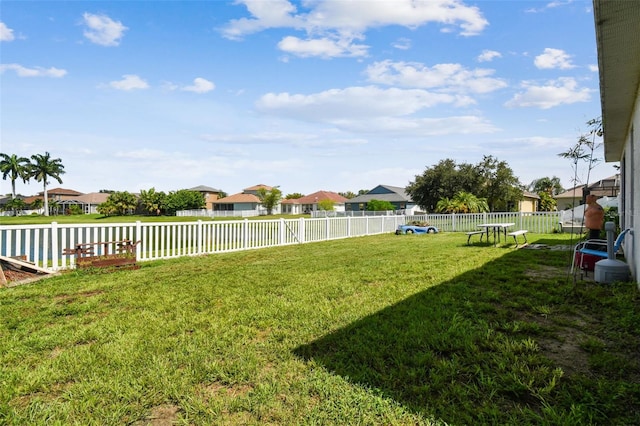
(245, 234)
(453, 222)
(326, 227)
(55, 248)
(200, 237)
(301, 230)
(281, 234)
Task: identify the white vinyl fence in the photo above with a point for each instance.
(44, 245)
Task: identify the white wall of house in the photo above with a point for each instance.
(630, 162)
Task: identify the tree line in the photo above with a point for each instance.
(40, 167)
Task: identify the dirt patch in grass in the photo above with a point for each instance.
(216, 389)
(161, 415)
(565, 351)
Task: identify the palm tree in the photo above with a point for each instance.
(469, 203)
(44, 167)
(15, 168)
(447, 205)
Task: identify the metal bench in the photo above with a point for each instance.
(472, 233)
(515, 234)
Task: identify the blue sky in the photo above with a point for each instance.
(312, 95)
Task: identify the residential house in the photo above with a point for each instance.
(309, 203)
(394, 194)
(618, 44)
(570, 198)
(607, 187)
(62, 198)
(245, 203)
(210, 195)
(529, 202)
(90, 201)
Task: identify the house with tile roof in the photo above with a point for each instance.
(309, 203)
(210, 194)
(607, 187)
(394, 194)
(245, 203)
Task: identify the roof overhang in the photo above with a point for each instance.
(617, 36)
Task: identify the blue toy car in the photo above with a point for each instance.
(413, 229)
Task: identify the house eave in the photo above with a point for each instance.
(619, 65)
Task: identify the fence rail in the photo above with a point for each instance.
(44, 245)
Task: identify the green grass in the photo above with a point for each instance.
(385, 330)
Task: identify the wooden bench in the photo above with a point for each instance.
(515, 234)
(472, 233)
(113, 254)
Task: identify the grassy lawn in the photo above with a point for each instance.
(376, 330)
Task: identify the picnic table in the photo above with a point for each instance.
(497, 228)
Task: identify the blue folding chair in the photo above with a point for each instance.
(596, 248)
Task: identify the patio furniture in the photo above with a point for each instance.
(498, 228)
(590, 251)
(522, 232)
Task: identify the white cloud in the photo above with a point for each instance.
(594, 68)
(265, 14)
(33, 72)
(402, 44)
(298, 140)
(200, 85)
(103, 30)
(445, 77)
(336, 104)
(129, 82)
(372, 110)
(6, 33)
(332, 25)
(553, 58)
(554, 93)
(322, 47)
(488, 55)
(417, 127)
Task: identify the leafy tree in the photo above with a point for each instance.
(547, 202)
(107, 208)
(37, 204)
(348, 194)
(549, 185)
(74, 210)
(462, 202)
(490, 179)
(14, 168)
(326, 204)
(184, 199)
(118, 204)
(469, 203)
(54, 206)
(443, 180)
(16, 205)
(446, 205)
(269, 199)
(293, 196)
(498, 185)
(42, 168)
(363, 191)
(153, 202)
(379, 205)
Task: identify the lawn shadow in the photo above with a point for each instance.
(462, 351)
